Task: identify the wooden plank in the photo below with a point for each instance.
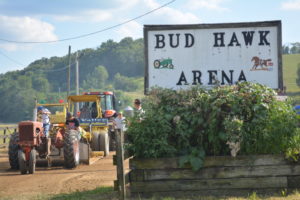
(138, 175)
(171, 163)
(120, 163)
(293, 182)
(209, 184)
(205, 194)
(215, 172)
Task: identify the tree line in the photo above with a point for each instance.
(293, 48)
(114, 66)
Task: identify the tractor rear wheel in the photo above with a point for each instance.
(95, 141)
(104, 143)
(32, 161)
(13, 151)
(22, 162)
(71, 149)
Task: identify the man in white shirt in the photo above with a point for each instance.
(119, 122)
(45, 115)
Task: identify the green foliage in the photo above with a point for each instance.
(126, 83)
(96, 79)
(98, 193)
(293, 49)
(40, 84)
(197, 122)
(293, 151)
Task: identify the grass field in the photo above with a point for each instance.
(290, 66)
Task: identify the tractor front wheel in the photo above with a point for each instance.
(104, 143)
(22, 162)
(32, 161)
(13, 151)
(71, 149)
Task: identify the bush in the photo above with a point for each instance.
(245, 118)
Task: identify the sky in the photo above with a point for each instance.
(52, 20)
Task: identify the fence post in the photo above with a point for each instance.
(120, 163)
(4, 138)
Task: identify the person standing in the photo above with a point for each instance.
(138, 110)
(72, 122)
(45, 118)
(120, 122)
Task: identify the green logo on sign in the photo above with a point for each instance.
(163, 64)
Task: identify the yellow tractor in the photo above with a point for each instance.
(94, 127)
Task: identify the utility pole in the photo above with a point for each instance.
(77, 80)
(69, 73)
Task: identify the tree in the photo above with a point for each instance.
(24, 82)
(295, 48)
(40, 84)
(96, 79)
(126, 83)
(285, 49)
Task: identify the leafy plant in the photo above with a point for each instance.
(197, 122)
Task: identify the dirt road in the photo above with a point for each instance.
(54, 180)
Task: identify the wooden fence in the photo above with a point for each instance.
(220, 175)
(5, 134)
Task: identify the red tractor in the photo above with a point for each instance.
(30, 142)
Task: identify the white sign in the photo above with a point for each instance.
(179, 56)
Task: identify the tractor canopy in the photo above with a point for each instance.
(58, 112)
(89, 106)
(83, 98)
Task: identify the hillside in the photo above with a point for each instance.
(116, 66)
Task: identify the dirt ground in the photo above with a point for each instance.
(54, 180)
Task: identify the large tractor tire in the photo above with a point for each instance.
(71, 149)
(32, 161)
(22, 162)
(112, 140)
(13, 151)
(95, 141)
(104, 143)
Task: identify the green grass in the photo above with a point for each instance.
(289, 67)
(106, 193)
(101, 193)
(98, 193)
